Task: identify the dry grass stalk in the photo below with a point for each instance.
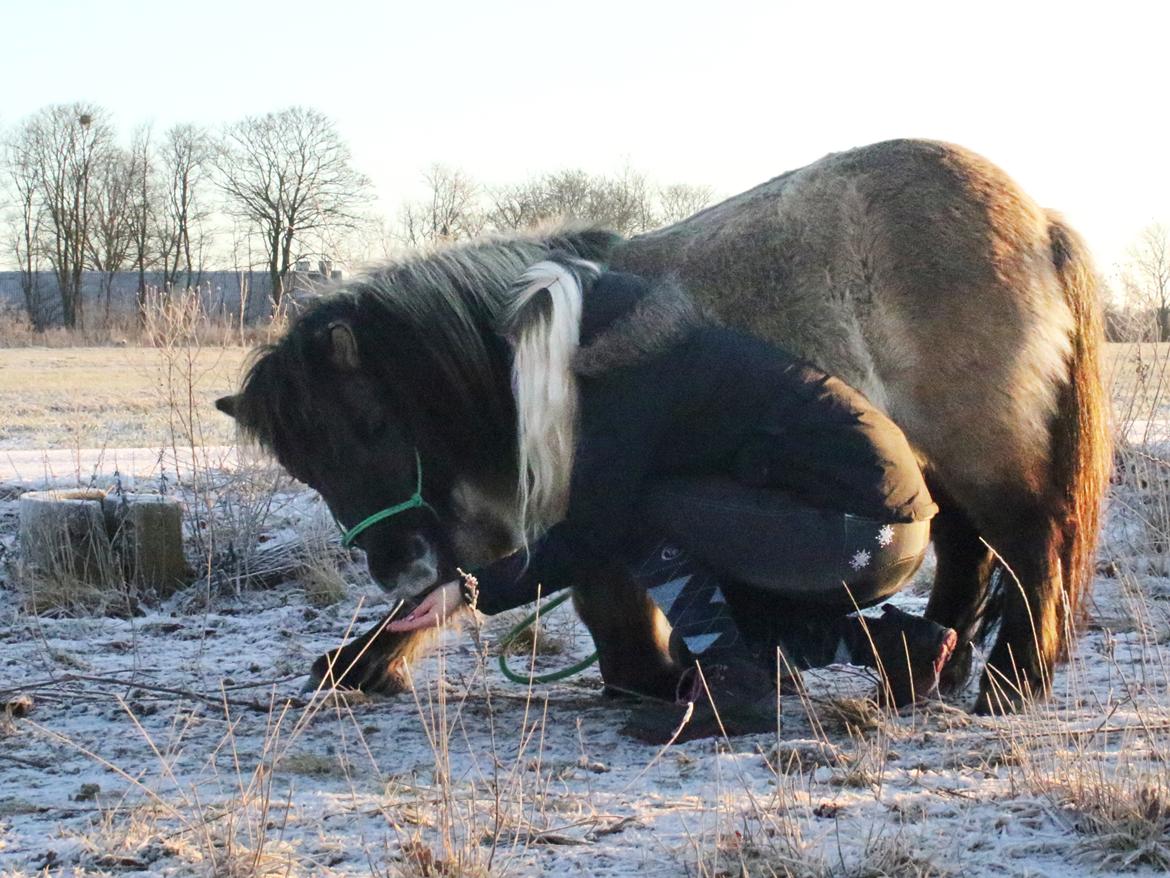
(536, 640)
(1106, 779)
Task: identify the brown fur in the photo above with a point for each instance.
(921, 274)
(657, 322)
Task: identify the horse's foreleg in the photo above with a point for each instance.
(631, 635)
(961, 583)
(374, 662)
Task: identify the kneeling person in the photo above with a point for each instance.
(758, 500)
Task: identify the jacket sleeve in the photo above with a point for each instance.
(550, 564)
(608, 471)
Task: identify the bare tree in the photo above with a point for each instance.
(289, 174)
(680, 200)
(560, 196)
(65, 145)
(450, 212)
(110, 240)
(630, 204)
(185, 163)
(624, 204)
(142, 209)
(27, 221)
(1146, 276)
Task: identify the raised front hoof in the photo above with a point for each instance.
(373, 675)
(617, 693)
(660, 686)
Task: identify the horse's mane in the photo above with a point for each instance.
(426, 325)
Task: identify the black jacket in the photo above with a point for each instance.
(712, 401)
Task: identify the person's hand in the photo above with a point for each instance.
(435, 609)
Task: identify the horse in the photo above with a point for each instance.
(916, 271)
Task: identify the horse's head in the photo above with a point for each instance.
(401, 373)
(396, 386)
(335, 426)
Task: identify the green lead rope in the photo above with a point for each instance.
(528, 622)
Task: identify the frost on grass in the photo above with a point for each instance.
(177, 741)
(189, 720)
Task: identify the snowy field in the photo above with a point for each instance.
(176, 740)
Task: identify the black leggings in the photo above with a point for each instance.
(790, 572)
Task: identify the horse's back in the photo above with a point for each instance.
(917, 271)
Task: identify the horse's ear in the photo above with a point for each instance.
(343, 349)
(229, 405)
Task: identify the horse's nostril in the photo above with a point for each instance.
(418, 547)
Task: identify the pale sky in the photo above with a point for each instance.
(1071, 102)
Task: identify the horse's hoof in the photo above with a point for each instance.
(998, 696)
(997, 704)
(1000, 701)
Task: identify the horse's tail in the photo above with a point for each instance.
(1081, 439)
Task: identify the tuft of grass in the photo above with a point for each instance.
(314, 765)
(1124, 823)
(851, 716)
(894, 857)
(58, 593)
(535, 640)
(1117, 803)
(323, 581)
(419, 860)
(322, 560)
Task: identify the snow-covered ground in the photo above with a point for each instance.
(178, 742)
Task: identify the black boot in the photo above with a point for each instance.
(725, 690)
(909, 652)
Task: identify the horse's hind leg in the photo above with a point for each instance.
(961, 583)
(631, 635)
(1032, 635)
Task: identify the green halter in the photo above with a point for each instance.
(416, 500)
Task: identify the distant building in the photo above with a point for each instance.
(231, 294)
(306, 284)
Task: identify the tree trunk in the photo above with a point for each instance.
(285, 257)
(274, 273)
(108, 283)
(141, 293)
(64, 290)
(78, 296)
